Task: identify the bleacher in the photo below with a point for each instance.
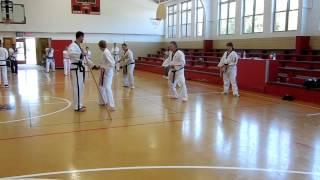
(202, 64)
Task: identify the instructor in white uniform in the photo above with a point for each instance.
(50, 58)
(106, 65)
(128, 64)
(77, 71)
(228, 66)
(3, 65)
(176, 62)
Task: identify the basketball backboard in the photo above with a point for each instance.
(16, 16)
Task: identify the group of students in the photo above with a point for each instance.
(108, 64)
(5, 57)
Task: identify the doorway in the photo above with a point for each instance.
(31, 53)
(26, 51)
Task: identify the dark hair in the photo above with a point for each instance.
(174, 43)
(229, 44)
(79, 34)
(102, 44)
(125, 45)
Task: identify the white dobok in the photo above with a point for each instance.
(77, 73)
(128, 64)
(107, 64)
(66, 62)
(176, 61)
(228, 63)
(50, 59)
(3, 65)
(115, 51)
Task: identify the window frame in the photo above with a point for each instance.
(287, 11)
(228, 17)
(174, 23)
(253, 17)
(197, 17)
(186, 20)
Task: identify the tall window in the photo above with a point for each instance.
(186, 18)
(172, 21)
(200, 18)
(227, 16)
(253, 16)
(286, 15)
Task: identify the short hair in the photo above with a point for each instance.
(102, 44)
(174, 43)
(125, 45)
(79, 34)
(229, 44)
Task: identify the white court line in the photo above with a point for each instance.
(315, 114)
(223, 168)
(44, 115)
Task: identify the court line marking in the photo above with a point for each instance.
(315, 114)
(44, 115)
(92, 129)
(223, 168)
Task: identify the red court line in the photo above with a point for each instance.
(86, 130)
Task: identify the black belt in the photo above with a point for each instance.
(125, 68)
(174, 74)
(49, 57)
(3, 61)
(79, 67)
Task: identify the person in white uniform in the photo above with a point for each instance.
(50, 58)
(13, 52)
(115, 51)
(128, 64)
(76, 55)
(89, 57)
(106, 64)
(66, 62)
(176, 62)
(4, 55)
(228, 66)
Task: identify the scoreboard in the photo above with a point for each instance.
(91, 7)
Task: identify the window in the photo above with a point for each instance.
(200, 18)
(286, 15)
(172, 21)
(253, 16)
(227, 16)
(186, 18)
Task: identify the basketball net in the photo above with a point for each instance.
(7, 21)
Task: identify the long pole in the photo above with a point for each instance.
(100, 93)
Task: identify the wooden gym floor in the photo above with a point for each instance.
(152, 137)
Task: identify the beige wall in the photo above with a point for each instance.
(315, 42)
(258, 43)
(190, 44)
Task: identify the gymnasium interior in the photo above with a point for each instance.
(270, 132)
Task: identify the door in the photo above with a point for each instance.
(21, 47)
(42, 44)
(59, 46)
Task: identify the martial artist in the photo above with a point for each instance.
(176, 62)
(77, 58)
(66, 62)
(115, 51)
(13, 52)
(106, 64)
(50, 58)
(228, 66)
(4, 55)
(89, 57)
(128, 64)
